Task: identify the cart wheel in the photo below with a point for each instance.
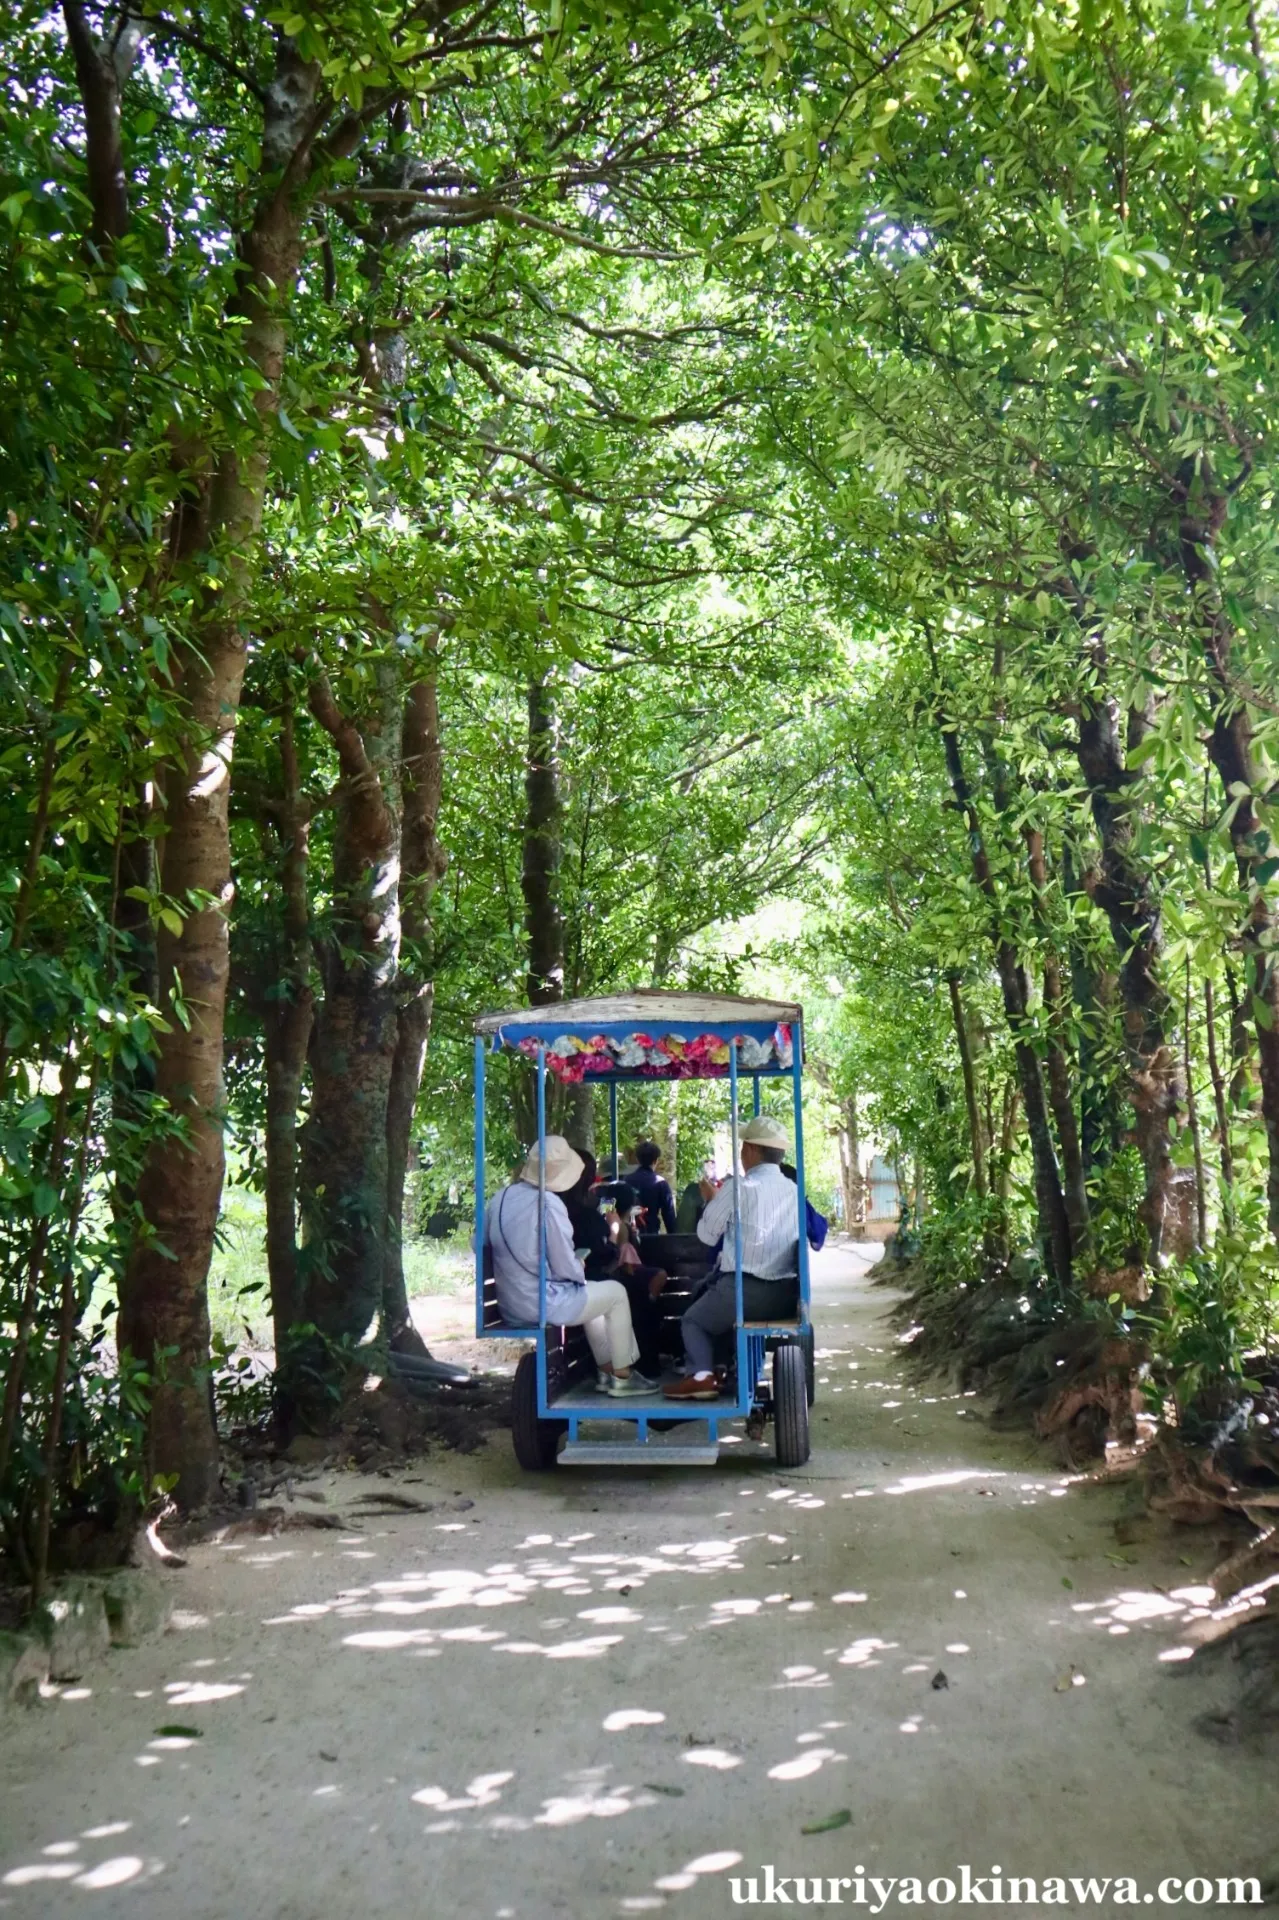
(809, 1345)
(790, 1406)
(536, 1442)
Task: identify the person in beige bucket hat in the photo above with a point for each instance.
(600, 1307)
(768, 1207)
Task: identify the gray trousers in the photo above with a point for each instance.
(715, 1312)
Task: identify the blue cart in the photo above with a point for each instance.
(652, 1036)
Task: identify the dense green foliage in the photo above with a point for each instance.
(605, 469)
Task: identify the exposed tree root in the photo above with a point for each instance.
(1250, 1646)
(1062, 1373)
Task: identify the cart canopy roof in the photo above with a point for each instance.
(651, 1034)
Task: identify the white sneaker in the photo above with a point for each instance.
(632, 1384)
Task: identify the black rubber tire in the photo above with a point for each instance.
(809, 1344)
(790, 1406)
(536, 1442)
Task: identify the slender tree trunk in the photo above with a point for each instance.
(850, 1164)
(543, 827)
(1219, 1107)
(1054, 1225)
(1243, 1080)
(1122, 889)
(1192, 1116)
(539, 882)
(1092, 993)
(976, 1141)
(1230, 748)
(423, 865)
(287, 1019)
(344, 1155)
(1061, 1091)
(1007, 1138)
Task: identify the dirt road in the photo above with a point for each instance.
(603, 1694)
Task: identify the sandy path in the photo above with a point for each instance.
(590, 1694)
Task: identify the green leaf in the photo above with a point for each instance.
(829, 1822)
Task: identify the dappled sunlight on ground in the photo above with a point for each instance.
(607, 1684)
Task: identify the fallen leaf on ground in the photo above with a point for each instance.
(829, 1822)
(939, 1683)
(1065, 1681)
(658, 1786)
(179, 1733)
(1067, 1583)
(327, 1756)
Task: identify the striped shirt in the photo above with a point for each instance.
(770, 1223)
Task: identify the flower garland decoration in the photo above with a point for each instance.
(573, 1057)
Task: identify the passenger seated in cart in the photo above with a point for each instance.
(654, 1192)
(605, 1241)
(770, 1255)
(600, 1307)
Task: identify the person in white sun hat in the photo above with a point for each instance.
(600, 1307)
(770, 1254)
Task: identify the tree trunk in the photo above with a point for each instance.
(1061, 1092)
(1007, 1139)
(1243, 1080)
(850, 1165)
(1092, 992)
(287, 1020)
(1220, 1108)
(1054, 1225)
(543, 825)
(1192, 1116)
(539, 882)
(423, 865)
(164, 1316)
(976, 1140)
(1121, 888)
(1230, 748)
(345, 1148)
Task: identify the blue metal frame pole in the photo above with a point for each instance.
(479, 1187)
(755, 1094)
(797, 1056)
(742, 1384)
(612, 1125)
(541, 1227)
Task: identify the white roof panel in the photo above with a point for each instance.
(646, 1008)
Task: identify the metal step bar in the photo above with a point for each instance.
(632, 1453)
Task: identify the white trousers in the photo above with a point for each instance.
(606, 1317)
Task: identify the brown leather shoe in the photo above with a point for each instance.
(691, 1388)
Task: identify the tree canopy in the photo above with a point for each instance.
(494, 495)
